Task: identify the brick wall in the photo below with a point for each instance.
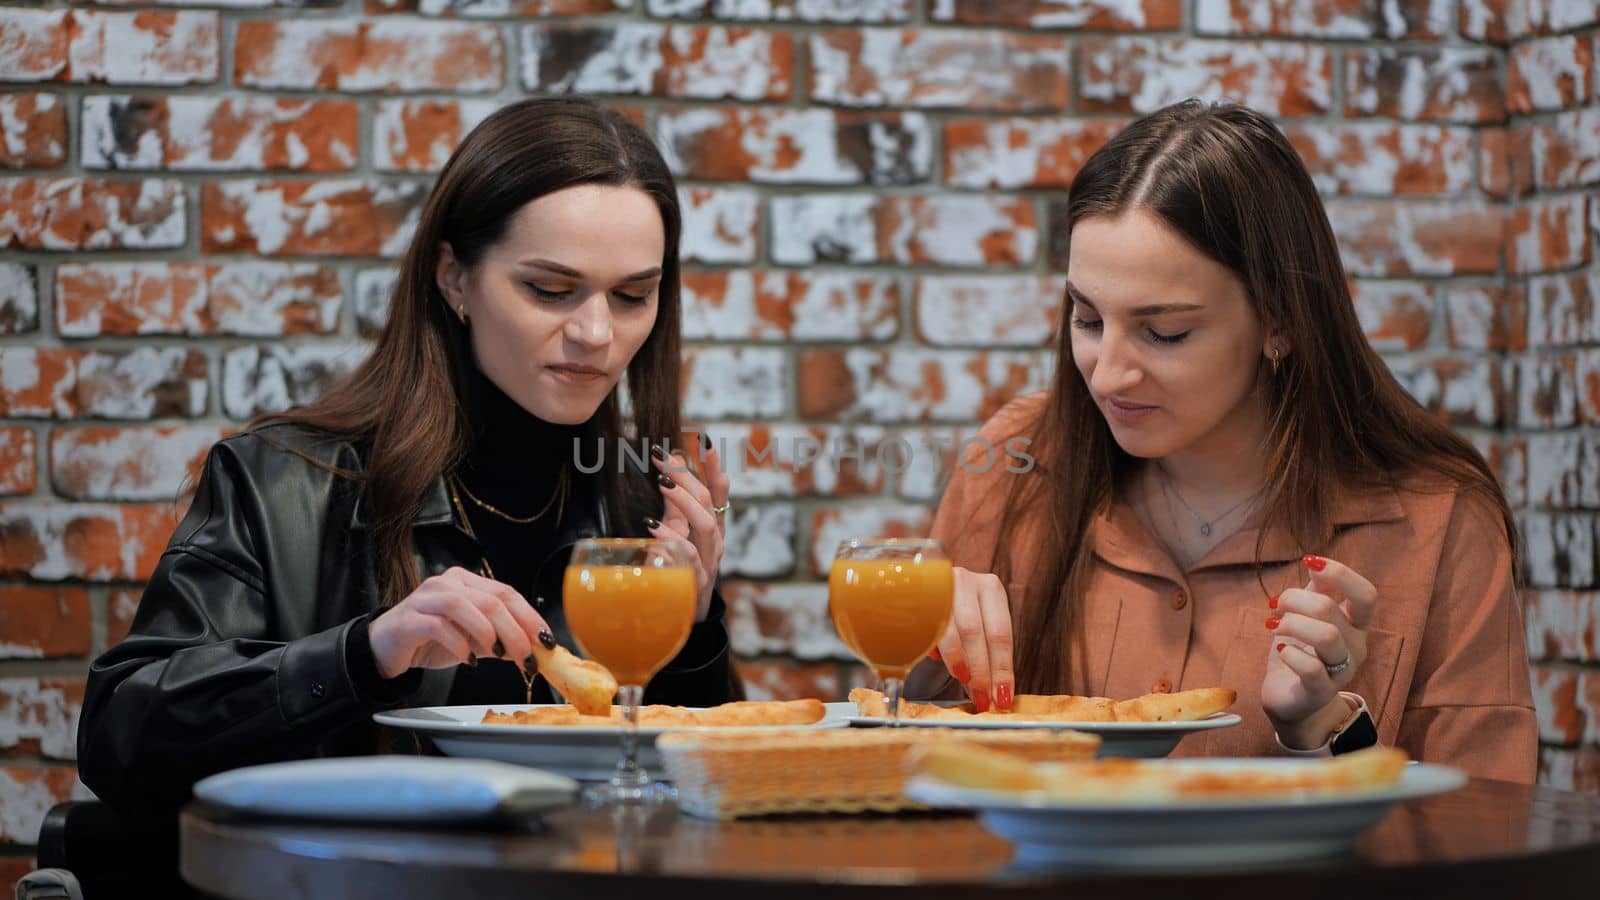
(204, 203)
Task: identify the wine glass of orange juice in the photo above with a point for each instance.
(890, 600)
(630, 604)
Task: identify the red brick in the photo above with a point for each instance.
(1547, 234)
(1570, 770)
(1486, 317)
(1588, 378)
(274, 377)
(791, 619)
(735, 382)
(1511, 461)
(39, 382)
(496, 8)
(42, 622)
(373, 289)
(18, 461)
(1020, 153)
(913, 385)
(120, 609)
(988, 310)
(1559, 549)
(948, 230)
(19, 298)
(1555, 695)
(1503, 21)
(246, 298)
(27, 793)
(380, 55)
(1443, 84)
(333, 218)
(1394, 316)
(720, 224)
(758, 541)
(789, 306)
(1463, 391)
(1379, 158)
(128, 463)
(658, 60)
(420, 135)
(12, 868)
(1564, 473)
(781, 679)
(1505, 162)
(52, 541)
(1141, 75)
(1547, 391)
(832, 526)
(796, 146)
(33, 44)
(1381, 238)
(54, 382)
(1550, 73)
(159, 48)
(39, 716)
(34, 127)
(779, 460)
(939, 68)
(1339, 19)
(1087, 15)
(193, 133)
(1564, 310)
(91, 214)
(877, 11)
(1565, 149)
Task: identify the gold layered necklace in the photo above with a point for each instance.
(487, 570)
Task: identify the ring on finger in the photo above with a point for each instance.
(1338, 667)
(723, 509)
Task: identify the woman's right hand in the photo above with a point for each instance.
(976, 647)
(449, 617)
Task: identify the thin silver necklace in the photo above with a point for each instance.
(1205, 525)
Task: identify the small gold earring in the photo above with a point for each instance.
(1275, 360)
(461, 312)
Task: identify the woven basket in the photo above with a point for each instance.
(729, 775)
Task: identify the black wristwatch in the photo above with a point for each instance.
(1358, 733)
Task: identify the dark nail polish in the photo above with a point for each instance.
(1272, 622)
(658, 452)
(547, 639)
(651, 524)
(530, 664)
(472, 660)
(666, 481)
(705, 441)
(499, 648)
(1314, 563)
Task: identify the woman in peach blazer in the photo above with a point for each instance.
(1227, 487)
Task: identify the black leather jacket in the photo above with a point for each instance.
(240, 650)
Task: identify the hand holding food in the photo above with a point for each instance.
(586, 684)
(976, 646)
(450, 618)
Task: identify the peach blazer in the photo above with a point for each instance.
(1446, 675)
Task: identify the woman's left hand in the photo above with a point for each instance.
(691, 515)
(1319, 641)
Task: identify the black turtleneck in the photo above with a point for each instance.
(515, 463)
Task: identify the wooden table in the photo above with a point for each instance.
(1489, 839)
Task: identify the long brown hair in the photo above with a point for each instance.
(405, 402)
(1227, 180)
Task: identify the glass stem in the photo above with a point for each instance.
(891, 690)
(629, 780)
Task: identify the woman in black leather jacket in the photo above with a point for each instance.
(401, 541)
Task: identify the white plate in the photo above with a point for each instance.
(1189, 834)
(583, 752)
(1147, 740)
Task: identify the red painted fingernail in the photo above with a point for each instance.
(980, 701)
(961, 673)
(1281, 646)
(1273, 602)
(1002, 697)
(1314, 563)
(934, 654)
(1272, 621)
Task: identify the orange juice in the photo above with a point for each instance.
(891, 612)
(630, 619)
